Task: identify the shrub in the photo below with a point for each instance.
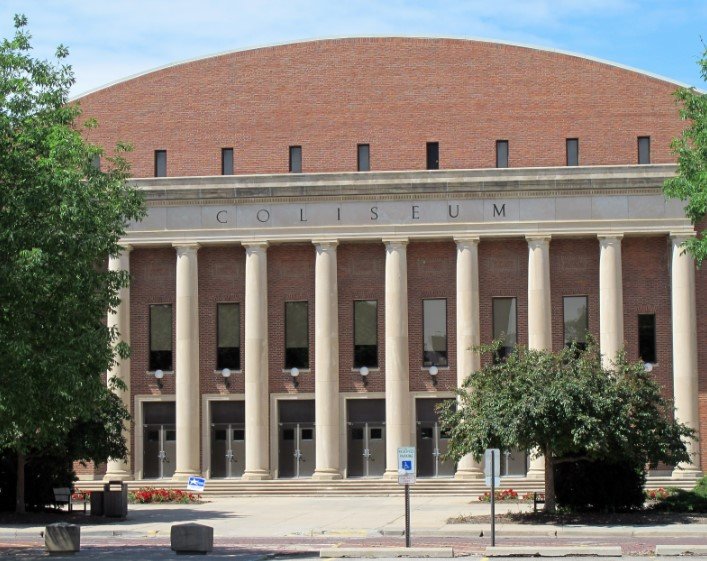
(685, 501)
(42, 474)
(599, 486)
(502, 495)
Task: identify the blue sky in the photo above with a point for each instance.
(112, 39)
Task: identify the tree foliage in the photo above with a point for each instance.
(690, 183)
(566, 406)
(60, 218)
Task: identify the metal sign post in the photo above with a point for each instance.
(492, 471)
(407, 471)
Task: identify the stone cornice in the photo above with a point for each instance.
(408, 185)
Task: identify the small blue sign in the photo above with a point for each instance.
(196, 484)
(407, 465)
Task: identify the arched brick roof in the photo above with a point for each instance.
(395, 94)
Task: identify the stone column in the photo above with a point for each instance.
(539, 313)
(397, 387)
(187, 362)
(611, 299)
(257, 441)
(326, 361)
(119, 319)
(468, 330)
(685, 376)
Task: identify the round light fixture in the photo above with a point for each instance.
(648, 367)
(226, 372)
(434, 370)
(294, 372)
(363, 371)
(159, 374)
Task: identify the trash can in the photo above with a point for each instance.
(115, 499)
(97, 503)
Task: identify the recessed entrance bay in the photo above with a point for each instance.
(365, 430)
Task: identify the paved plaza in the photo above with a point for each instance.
(266, 527)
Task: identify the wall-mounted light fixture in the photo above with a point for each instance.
(648, 366)
(294, 372)
(433, 373)
(158, 376)
(226, 373)
(363, 371)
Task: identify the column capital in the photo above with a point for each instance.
(466, 241)
(610, 239)
(256, 246)
(538, 240)
(186, 248)
(396, 242)
(678, 238)
(125, 248)
(326, 243)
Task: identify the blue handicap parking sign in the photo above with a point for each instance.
(407, 465)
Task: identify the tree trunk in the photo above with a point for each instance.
(549, 481)
(20, 491)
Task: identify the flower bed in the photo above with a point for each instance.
(658, 494)
(79, 495)
(157, 495)
(502, 495)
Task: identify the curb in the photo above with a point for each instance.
(673, 550)
(530, 551)
(388, 552)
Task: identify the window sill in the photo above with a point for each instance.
(232, 372)
(370, 369)
(439, 368)
(301, 370)
(165, 372)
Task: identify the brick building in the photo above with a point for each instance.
(333, 224)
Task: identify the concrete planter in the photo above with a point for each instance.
(62, 538)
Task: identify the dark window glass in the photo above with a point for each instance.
(160, 163)
(501, 153)
(226, 161)
(644, 149)
(296, 335)
(288, 434)
(376, 434)
(434, 314)
(646, 338)
(161, 337)
(170, 435)
(307, 434)
(220, 434)
(228, 335)
(576, 321)
(295, 159)
(96, 162)
(364, 157)
(572, 152)
(427, 433)
(238, 434)
(433, 155)
(505, 326)
(153, 435)
(365, 333)
(356, 433)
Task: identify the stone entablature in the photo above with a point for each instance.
(582, 200)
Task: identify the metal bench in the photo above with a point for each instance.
(64, 496)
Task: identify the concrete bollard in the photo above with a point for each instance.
(192, 538)
(62, 538)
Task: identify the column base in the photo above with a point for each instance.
(326, 474)
(688, 473)
(535, 474)
(390, 474)
(184, 475)
(121, 475)
(469, 473)
(256, 475)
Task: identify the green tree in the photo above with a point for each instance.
(566, 406)
(60, 218)
(690, 183)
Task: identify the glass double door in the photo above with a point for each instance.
(365, 437)
(432, 442)
(296, 439)
(159, 440)
(227, 439)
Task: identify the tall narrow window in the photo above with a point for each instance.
(296, 335)
(295, 159)
(364, 157)
(434, 314)
(160, 163)
(228, 336)
(644, 149)
(646, 338)
(572, 145)
(161, 337)
(226, 161)
(501, 153)
(576, 321)
(365, 333)
(505, 325)
(433, 155)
